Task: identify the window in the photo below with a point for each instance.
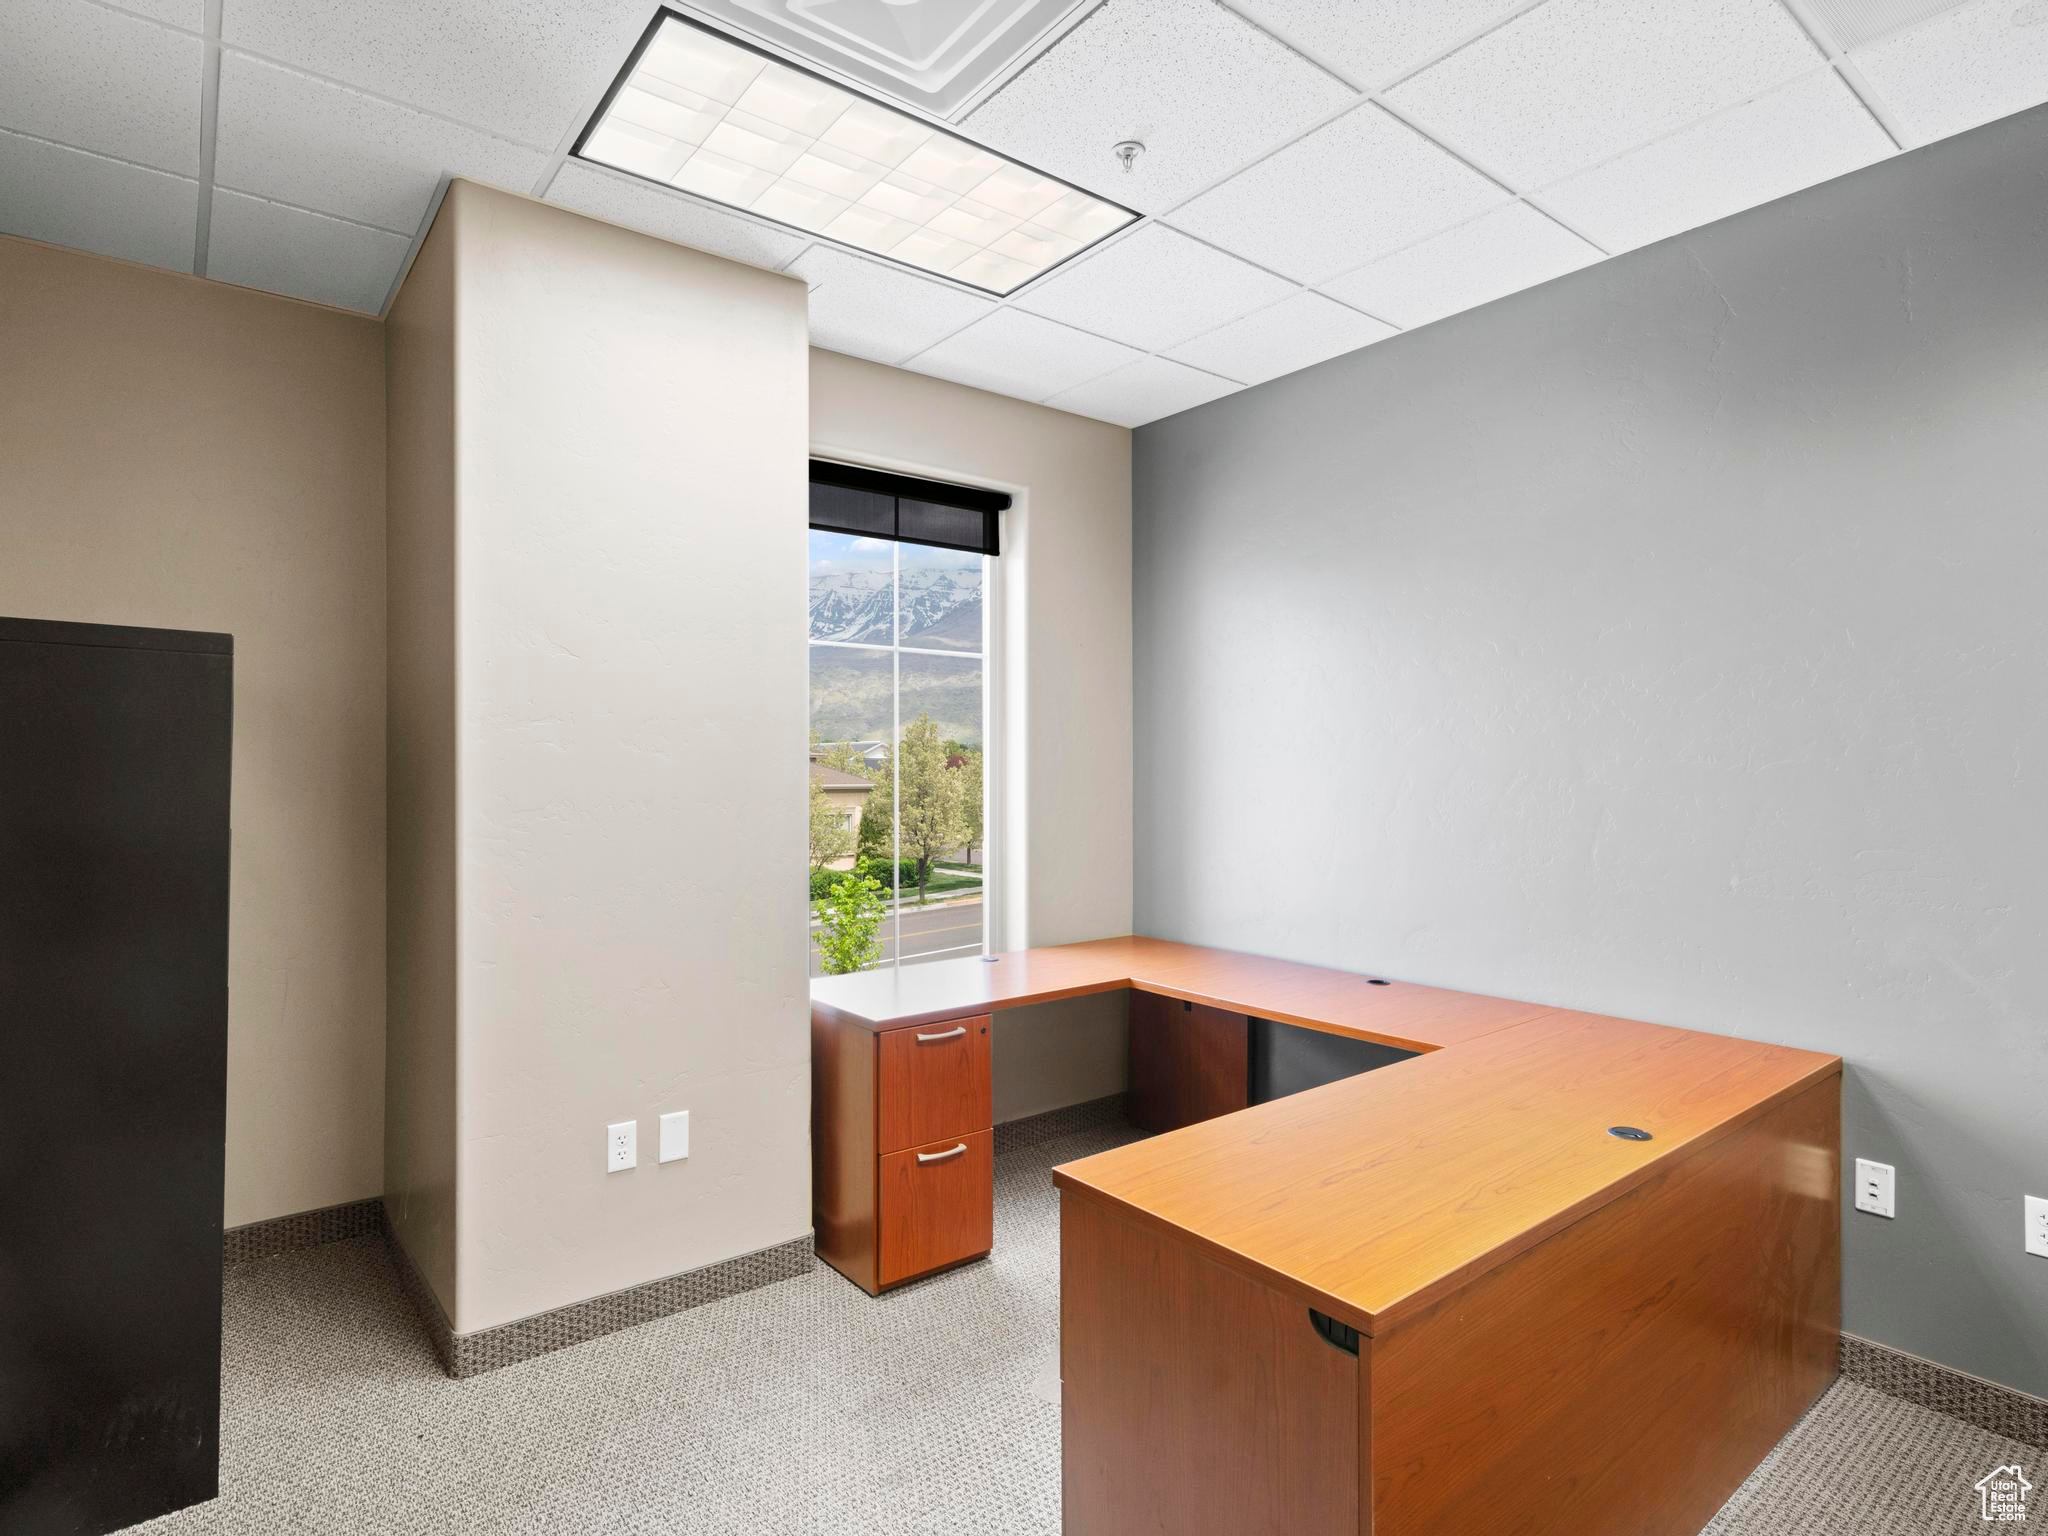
(899, 675)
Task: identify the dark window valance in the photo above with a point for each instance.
(846, 498)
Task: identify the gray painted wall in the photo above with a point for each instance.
(1667, 641)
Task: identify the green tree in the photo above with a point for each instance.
(930, 819)
(878, 815)
(840, 755)
(969, 769)
(831, 838)
(849, 920)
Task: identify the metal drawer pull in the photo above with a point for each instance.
(940, 1157)
(948, 1034)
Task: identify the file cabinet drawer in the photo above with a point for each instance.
(937, 1205)
(933, 1082)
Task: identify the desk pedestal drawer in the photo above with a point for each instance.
(937, 1205)
(933, 1082)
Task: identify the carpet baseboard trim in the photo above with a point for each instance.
(426, 1305)
(301, 1229)
(1989, 1405)
(463, 1355)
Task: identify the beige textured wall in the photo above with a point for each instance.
(420, 1066)
(631, 678)
(195, 456)
(1064, 743)
(187, 454)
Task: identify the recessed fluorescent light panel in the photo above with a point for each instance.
(699, 112)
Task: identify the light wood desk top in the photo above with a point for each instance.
(1395, 1013)
(1375, 1196)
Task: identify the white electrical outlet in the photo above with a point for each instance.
(2037, 1226)
(621, 1146)
(1875, 1183)
(675, 1136)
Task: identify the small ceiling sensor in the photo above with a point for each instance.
(1127, 154)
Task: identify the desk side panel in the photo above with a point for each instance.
(1622, 1378)
(1194, 1400)
(843, 1148)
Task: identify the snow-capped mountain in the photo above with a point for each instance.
(941, 608)
(851, 605)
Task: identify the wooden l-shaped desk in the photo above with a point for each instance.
(1438, 1297)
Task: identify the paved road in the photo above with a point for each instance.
(933, 933)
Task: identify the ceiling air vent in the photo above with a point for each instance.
(939, 56)
(1856, 22)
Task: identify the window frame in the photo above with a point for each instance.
(998, 502)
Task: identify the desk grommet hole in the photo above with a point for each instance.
(1629, 1133)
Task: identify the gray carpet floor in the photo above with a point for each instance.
(806, 1407)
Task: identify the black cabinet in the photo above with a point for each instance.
(114, 748)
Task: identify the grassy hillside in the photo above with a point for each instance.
(850, 695)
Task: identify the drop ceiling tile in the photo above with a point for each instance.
(68, 197)
(1201, 88)
(1352, 190)
(189, 14)
(1976, 63)
(1806, 132)
(1143, 391)
(1153, 288)
(284, 250)
(1013, 353)
(1512, 248)
(1374, 45)
(671, 216)
(871, 310)
(100, 80)
(294, 139)
(527, 69)
(1575, 81)
(1284, 337)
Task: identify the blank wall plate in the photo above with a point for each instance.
(675, 1136)
(621, 1146)
(1875, 1185)
(2037, 1226)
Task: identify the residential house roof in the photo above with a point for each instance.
(834, 778)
